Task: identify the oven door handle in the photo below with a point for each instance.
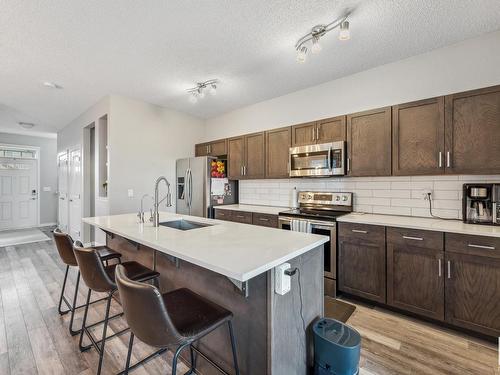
(316, 224)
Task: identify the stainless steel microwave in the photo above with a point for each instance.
(322, 160)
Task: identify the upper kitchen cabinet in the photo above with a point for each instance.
(277, 152)
(369, 143)
(246, 156)
(214, 148)
(418, 138)
(331, 130)
(473, 132)
(304, 134)
(235, 157)
(255, 156)
(323, 131)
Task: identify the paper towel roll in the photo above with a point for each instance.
(295, 198)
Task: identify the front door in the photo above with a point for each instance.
(62, 188)
(18, 193)
(74, 194)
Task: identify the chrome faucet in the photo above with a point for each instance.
(140, 215)
(168, 197)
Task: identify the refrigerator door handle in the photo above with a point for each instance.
(190, 188)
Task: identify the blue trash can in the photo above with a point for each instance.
(336, 348)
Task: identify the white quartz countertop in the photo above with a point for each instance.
(253, 208)
(451, 226)
(238, 251)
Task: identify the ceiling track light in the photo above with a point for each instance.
(316, 33)
(198, 92)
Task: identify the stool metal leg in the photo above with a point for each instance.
(62, 312)
(233, 346)
(129, 354)
(176, 357)
(104, 330)
(73, 307)
(82, 330)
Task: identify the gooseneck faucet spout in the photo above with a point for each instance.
(168, 197)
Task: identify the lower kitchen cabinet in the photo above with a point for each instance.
(415, 273)
(362, 261)
(255, 218)
(473, 283)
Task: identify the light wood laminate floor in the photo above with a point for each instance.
(34, 339)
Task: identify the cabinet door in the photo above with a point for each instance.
(369, 143)
(331, 130)
(201, 149)
(418, 138)
(413, 253)
(277, 152)
(235, 157)
(473, 131)
(218, 148)
(473, 292)
(255, 156)
(362, 265)
(304, 134)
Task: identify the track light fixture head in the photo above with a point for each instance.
(198, 92)
(316, 33)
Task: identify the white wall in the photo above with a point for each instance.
(48, 171)
(468, 65)
(145, 140)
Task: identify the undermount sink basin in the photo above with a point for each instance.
(184, 224)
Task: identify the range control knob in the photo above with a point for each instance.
(344, 198)
(337, 198)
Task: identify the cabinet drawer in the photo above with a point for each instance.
(223, 214)
(241, 217)
(374, 234)
(265, 220)
(473, 245)
(415, 238)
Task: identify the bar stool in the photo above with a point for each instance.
(175, 319)
(100, 278)
(64, 245)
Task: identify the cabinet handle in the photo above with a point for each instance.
(244, 170)
(240, 216)
(439, 266)
(440, 159)
(481, 246)
(263, 219)
(317, 133)
(241, 170)
(359, 231)
(348, 164)
(449, 270)
(206, 147)
(413, 238)
(313, 138)
(448, 159)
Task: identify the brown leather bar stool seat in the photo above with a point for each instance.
(101, 278)
(64, 245)
(176, 320)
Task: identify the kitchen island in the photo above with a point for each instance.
(233, 265)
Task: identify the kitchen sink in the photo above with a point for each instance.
(184, 224)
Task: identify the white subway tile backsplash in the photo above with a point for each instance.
(385, 195)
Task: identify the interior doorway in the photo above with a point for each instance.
(19, 186)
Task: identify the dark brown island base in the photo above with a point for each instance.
(268, 327)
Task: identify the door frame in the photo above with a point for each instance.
(78, 147)
(37, 150)
(66, 152)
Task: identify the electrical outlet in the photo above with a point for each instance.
(130, 193)
(282, 282)
(426, 193)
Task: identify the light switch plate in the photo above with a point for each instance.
(130, 193)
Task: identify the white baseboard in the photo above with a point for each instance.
(47, 224)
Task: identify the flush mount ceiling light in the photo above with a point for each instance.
(317, 32)
(198, 92)
(51, 85)
(26, 125)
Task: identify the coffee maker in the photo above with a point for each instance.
(481, 204)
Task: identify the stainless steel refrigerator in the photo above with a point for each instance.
(197, 192)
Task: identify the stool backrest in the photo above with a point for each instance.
(145, 312)
(64, 245)
(92, 270)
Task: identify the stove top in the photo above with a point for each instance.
(305, 213)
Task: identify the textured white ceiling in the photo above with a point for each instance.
(154, 50)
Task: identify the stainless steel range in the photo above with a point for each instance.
(317, 214)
